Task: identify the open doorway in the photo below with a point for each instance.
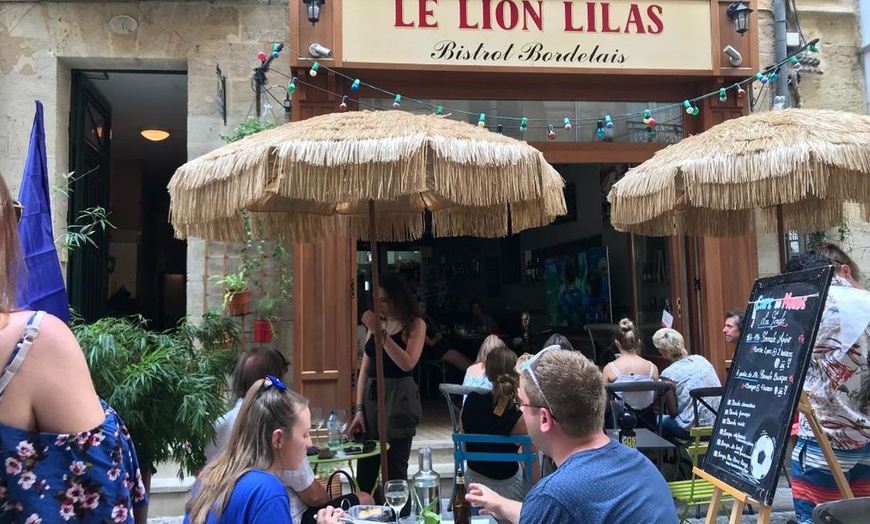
(137, 267)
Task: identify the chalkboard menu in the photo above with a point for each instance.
(766, 379)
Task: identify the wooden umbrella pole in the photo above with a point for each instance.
(379, 346)
(783, 243)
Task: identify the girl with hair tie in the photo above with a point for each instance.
(241, 486)
(495, 413)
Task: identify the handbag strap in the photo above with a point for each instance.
(329, 480)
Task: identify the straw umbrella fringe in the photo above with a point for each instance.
(808, 161)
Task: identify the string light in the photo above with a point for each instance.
(498, 129)
(767, 75)
(261, 56)
(343, 105)
(599, 131)
(551, 133)
(397, 102)
(276, 50)
(723, 95)
(288, 105)
(481, 122)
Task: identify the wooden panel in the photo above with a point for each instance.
(324, 310)
(324, 328)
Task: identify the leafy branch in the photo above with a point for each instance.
(89, 222)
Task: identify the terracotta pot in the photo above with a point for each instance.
(239, 303)
(262, 331)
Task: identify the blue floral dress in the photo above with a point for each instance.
(91, 477)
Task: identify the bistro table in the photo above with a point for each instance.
(647, 440)
(341, 456)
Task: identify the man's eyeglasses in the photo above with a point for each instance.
(527, 366)
(18, 209)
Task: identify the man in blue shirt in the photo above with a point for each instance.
(598, 481)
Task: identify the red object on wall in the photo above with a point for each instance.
(262, 331)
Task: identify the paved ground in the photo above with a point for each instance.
(783, 509)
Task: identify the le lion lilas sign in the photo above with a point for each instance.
(655, 35)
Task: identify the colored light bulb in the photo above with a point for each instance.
(261, 56)
(651, 122)
(608, 123)
(741, 93)
(343, 105)
(793, 60)
(439, 110)
(695, 111)
(291, 87)
(812, 48)
(568, 125)
(551, 134)
(599, 132)
(355, 85)
(647, 113)
(314, 67)
(761, 78)
(723, 95)
(481, 122)
(524, 123)
(688, 106)
(397, 102)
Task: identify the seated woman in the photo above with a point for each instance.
(495, 413)
(481, 321)
(436, 347)
(558, 339)
(631, 367)
(687, 372)
(475, 375)
(242, 485)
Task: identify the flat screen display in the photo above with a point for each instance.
(578, 288)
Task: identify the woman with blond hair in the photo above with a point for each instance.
(242, 485)
(686, 372)
(68, 455)
(475, 375)
(630, 366)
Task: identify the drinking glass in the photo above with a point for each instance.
(397, 492)
(341, 414)
(316, 422)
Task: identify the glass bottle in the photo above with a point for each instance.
(427, 489)
(333, 432)
(461, 507)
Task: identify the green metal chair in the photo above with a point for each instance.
(695, 491)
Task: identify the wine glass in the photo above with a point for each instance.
(341, 415)
(397, 492)
(316, 422)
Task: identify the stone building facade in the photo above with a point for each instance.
(837, 83)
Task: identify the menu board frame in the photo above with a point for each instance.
(774, 305)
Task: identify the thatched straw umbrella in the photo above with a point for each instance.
(802, 164)
(371, 175)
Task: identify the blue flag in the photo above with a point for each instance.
(42, 288)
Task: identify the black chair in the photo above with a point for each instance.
(704, 396)
(616, 390)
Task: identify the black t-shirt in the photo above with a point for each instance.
(391, 369)
(478, 417)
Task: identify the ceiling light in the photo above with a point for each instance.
(155, 135)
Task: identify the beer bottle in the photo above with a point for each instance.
(627, 423)
(461, 507)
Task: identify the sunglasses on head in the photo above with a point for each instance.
(18, 209)
(527, 366)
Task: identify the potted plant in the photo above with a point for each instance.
(237, 296)
(168, 387)
(264, 328)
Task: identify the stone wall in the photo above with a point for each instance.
(41, 42)
(841, 87)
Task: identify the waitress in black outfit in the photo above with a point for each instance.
(404, 333)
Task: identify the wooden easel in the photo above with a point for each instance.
(741, 498)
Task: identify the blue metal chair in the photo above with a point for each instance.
(524, 454)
